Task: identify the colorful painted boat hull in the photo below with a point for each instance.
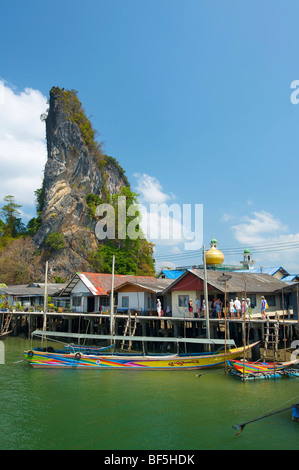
(41, 359)
(259, 367)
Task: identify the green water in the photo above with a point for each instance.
(130, 410)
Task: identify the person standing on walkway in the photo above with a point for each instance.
(159, 307)
(190, 308)
(197, 304)
(232, 308)
(243, 307)
(264, 308)
(238, 306)
(218, 304)
(204, 308)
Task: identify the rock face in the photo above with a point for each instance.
(73, 170)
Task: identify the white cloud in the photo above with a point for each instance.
(274, 246)
(227, 217)
(22, 143)
(168, 223)
(164, 265)
(254, 230)
(151, 190)
(162, 226)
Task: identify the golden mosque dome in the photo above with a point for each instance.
(213, 255)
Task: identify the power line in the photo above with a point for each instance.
(259, 248)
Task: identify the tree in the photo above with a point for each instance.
(55, 241)
(133, 255)
(12, 223)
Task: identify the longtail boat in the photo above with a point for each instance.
(259, 367)
(46, 358)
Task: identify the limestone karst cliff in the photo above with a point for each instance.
(77, 177)
(75, 168)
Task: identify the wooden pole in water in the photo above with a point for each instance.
(224, 278)
(244, 332)
(45, 300)
(112, 299)
(284, 328)
(225, 326)
(206, 294)
(240, 427)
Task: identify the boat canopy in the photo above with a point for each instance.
(229, 342)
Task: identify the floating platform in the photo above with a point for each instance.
(257, 376)
(265, 375)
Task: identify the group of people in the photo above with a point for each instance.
(198, 308)
(236, 308)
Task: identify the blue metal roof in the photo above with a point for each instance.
(171, 273)
(290, 278)
(270, 271)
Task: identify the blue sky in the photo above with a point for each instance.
(191, 97)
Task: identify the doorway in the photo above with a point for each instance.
(90, 304)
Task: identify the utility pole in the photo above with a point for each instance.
(206, 294)
(45, 300)
(112, 299)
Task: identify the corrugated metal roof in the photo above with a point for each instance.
(253, 283)
(100, 284)
(153, 285)
(34, 290)
(172, 273)
(290, 278)
(271, 271)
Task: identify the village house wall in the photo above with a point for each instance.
(131, 300)
(79, 297)
(182, 311)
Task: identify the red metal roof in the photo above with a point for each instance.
(100, 284)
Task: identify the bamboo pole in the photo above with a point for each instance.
(206, 295)
(240, 427)
(225, 326)
(45, 300)
(244, 334)
(224, 278)
(112, 299)
(284, 328)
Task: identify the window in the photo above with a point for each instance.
(150, 301)
(183, 300)
(76, 301)
(104, 301)
(125, 302)
(271, 300)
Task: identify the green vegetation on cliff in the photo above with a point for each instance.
(133, 255)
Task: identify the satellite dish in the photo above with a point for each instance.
(224, 278)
